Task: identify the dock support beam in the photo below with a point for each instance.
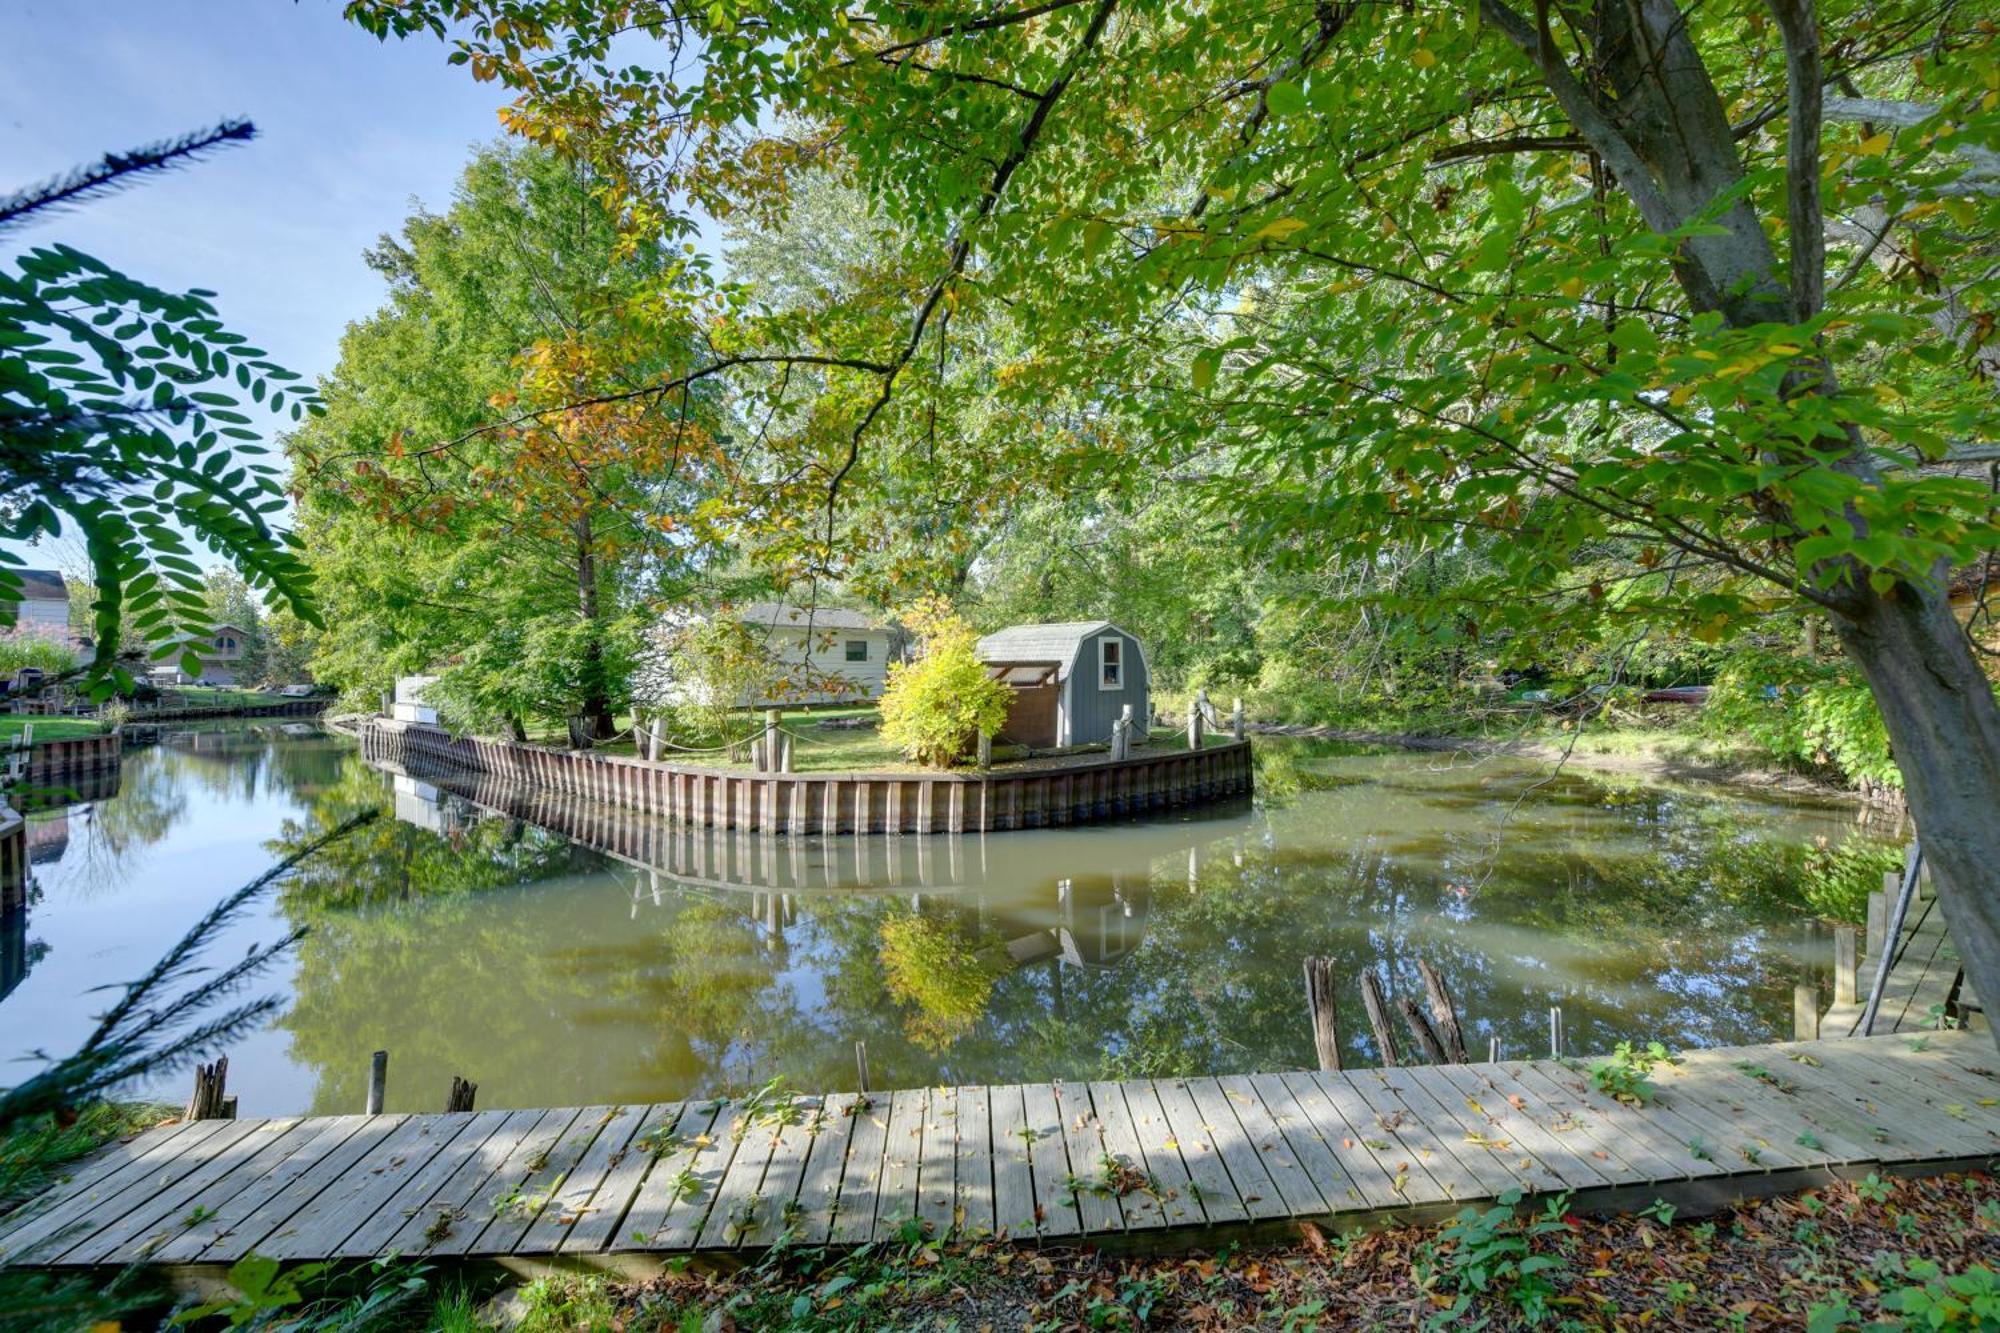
(378, 1082)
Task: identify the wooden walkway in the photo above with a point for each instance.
(1161, 1162)
(1924, 983)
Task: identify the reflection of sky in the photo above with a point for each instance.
(601, 979)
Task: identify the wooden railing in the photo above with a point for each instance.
(1086, 791)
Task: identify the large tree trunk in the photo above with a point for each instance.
(1648, 107)
(596, 704)
(1944, 727)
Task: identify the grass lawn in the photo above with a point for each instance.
(47, 728)
(209, 696)
(818, 749)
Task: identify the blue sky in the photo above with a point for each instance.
(351, 131)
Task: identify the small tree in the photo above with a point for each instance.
(936, 707)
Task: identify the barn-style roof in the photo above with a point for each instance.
(1057, 642)
(41, 585)
(818, 618)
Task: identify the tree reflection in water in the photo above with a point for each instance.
(559, 952)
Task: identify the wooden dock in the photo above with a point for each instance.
(1157, 1163)
(1925, 984)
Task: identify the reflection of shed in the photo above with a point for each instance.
(1102, 920)
(1071, 681)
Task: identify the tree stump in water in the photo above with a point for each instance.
(1420, 1028)
(1444, 1015)
(1378, 1018)
(208, 1102)
(1320, 1009)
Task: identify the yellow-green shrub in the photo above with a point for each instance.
(935, 708)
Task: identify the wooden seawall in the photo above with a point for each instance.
(1077, 793)
(1148, 1163)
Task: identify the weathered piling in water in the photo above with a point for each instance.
(211, 1100)
(861, 1063)
(1320, 1012)
(378, 1081)
(1845, 965)
(1420, 1028)
(461, 1094)
(1444, 1014)
(1805, 1012)
(1378, 1018)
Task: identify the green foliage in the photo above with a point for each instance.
(552, 666)
(945, 976)
(1622, 1074)
(121, 422)
(34, 1151)
(1836, 878)
(1816, 716)
(1939, 1300)
(714, 664)
(263, 1287)
(32, 650)
(579, 1303)
(937, 707)
(1494, 1253)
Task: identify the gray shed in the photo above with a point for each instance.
(1071, 680)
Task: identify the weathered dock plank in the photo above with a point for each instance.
(1108, 1162)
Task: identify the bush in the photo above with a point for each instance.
(1814, 716)
(935, 708)
(19, 649)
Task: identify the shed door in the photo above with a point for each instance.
(1031, 717)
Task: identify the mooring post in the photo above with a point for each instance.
(1236, 718)
(1493, 1050)
(461, 1094)
(210, 1096)
(770, 760)
(378, 1081)
(1845, 965)
(1194, 724)
(1320, 1013)
(1805, 1012)
(1378, 1018)
(1555, 1032)
(1444, 1014)
(861, 1063)
(985, 752)
(1878, 910)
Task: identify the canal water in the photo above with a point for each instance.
(556, 952)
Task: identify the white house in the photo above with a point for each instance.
(43, 608)
(221, 657)
(820, 655)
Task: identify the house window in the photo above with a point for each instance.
(1110, 664)
(857, 650)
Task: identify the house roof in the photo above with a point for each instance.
(41, 585)
(818, 618)
(1040, 643)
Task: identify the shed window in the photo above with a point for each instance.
(1110, 664)
(857, 650)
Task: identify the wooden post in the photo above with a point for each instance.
(769, 763)
(1378, 1018)
(1444, 1015)
(655, 737)
(1320, 1011)
(209, 1091)
(1493, 1049)
(1844, 965)
(1878, 915)
(1805, 1012)
(861, 1063)
(1236, 718)
(1194, 724)
(461, 1095)
(785, 754)
(1420, 1028)
(378, 1081)
(1555, 1032)
(985, 752)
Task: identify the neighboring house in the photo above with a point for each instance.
(408, 704)
(43, 610)
(846, 653)
(1071, 681)
(221, 655)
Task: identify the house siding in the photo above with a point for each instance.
(1089, 711)
(825, 652)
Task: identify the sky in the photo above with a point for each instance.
(352, 131)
